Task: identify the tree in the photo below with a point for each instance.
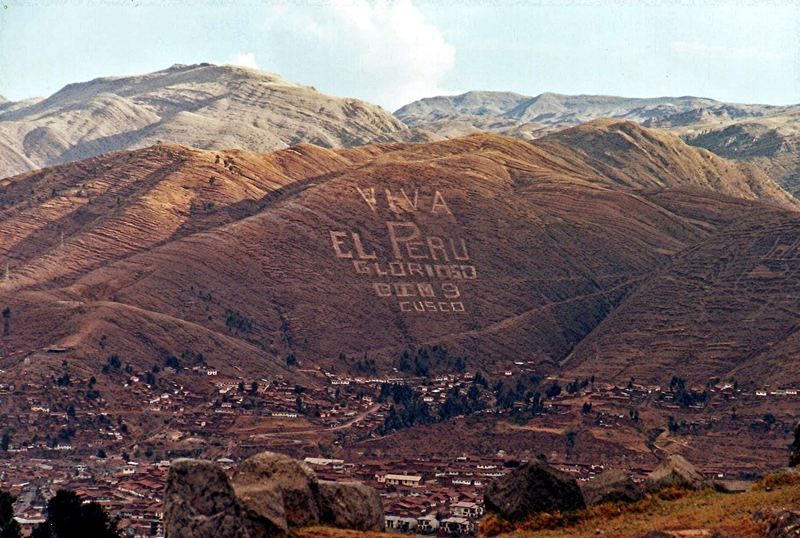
(5, 443)
(479, 380)
(9, 528)
(553, 390)
(794, 458)
(113, 363)
(570, 439)
(672, 425)
(6, 320)
(291, 360)
(69, 517)
(587, 408)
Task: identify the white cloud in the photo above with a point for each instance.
(244, 59)
(385, 47)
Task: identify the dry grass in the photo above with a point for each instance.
(670, 510)
(704, 512)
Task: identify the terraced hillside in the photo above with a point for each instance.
(727, 307)
(496, 248)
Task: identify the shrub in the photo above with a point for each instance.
(492, 525)
(672, 493)
(778, 479)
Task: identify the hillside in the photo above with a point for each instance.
(649, 158)
(771, 143)
(204, 106)
(496, 248)
(537, 245)
(725, 308)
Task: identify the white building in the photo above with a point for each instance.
(401, 524)
(427, 524)
(466, 509)
(412, 481)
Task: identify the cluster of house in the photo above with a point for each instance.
(433, 496)
(423, 496)
(129, 491)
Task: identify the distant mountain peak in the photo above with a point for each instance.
(204, 105)
(764, 135)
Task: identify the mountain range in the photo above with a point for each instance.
(209, 106)
(764, 135)
(599, 247)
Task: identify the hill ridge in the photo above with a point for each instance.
(203, 105)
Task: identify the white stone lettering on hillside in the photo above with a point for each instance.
(421, 272)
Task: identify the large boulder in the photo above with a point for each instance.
(265, 502)
(199, 502)
(675, 472)
(267, 478)
(268, 495)
(794, 457)
(351, 505)
(612, 485)
(532, 488)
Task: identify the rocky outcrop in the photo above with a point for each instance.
(779, 523)
(199, 502)
(350, 505)
(794, 457)
(266, 478)
(532, 488)
(269, 495)
(611, 486)
(675, 472)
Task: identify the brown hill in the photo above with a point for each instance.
(725, 308)
(497, 248)
(635, 157)
(771, 143)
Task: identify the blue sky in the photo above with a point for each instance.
(393, 52)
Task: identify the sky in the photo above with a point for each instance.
(393, 52)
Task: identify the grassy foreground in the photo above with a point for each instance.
(690, 514)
